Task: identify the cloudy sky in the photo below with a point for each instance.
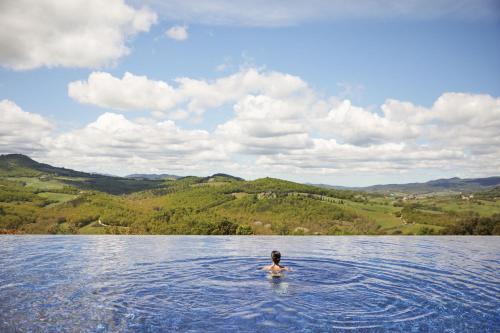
(347, 93)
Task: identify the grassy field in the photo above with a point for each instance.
(58, 197)
(482, 207)
(380, 212)
(416, 228)
(38, 184)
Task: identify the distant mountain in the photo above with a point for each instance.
(334, 187)
(18, 165)
(152, 176)
(439, 185)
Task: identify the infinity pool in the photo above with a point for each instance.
(213, 284)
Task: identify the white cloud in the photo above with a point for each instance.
(354, 140)
(280, 122)
(75, 33)
(279, 13)
(329, 156)
(127, 94)
(356, 125)
(113, 142)
(395, 110)
(460, 108)
(459, 133)
(201, 95)
(110, 144)
(20, 131)
(467, 121)
(193, 96)
(264, 125)
(178, 32)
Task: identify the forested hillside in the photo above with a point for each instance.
(439, 185)
(38, 198)
(22, 168)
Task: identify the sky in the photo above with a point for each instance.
(343, 93)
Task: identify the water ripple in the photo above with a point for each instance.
(192, 284)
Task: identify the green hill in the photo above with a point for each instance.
(39, 175)
(39, 198)
(490, 194)
(152, 176)
(440, 185)
(17, 165)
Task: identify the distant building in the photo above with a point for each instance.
(409, 197)
(467, 197)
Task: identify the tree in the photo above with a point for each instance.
(225, 227)
(244, 229)
(425, 231)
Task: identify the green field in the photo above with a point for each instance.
(482, 207)
(65, 201)
(39, 184)
(57, 197)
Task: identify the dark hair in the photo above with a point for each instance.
(276, 256)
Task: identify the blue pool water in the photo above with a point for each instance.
(205, 284)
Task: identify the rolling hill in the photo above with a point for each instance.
(17, 165)
(455, 184)
(39, 198)
(152, 176)
(21, 166)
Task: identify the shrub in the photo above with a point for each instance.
(244, 229)
(225, 227)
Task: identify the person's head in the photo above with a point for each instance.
(276, 257)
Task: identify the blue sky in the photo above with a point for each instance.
(338, 54)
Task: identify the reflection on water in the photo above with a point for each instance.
(178, 283)
(278, 283)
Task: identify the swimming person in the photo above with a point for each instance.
(275, 268)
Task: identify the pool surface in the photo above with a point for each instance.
(213, 284)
